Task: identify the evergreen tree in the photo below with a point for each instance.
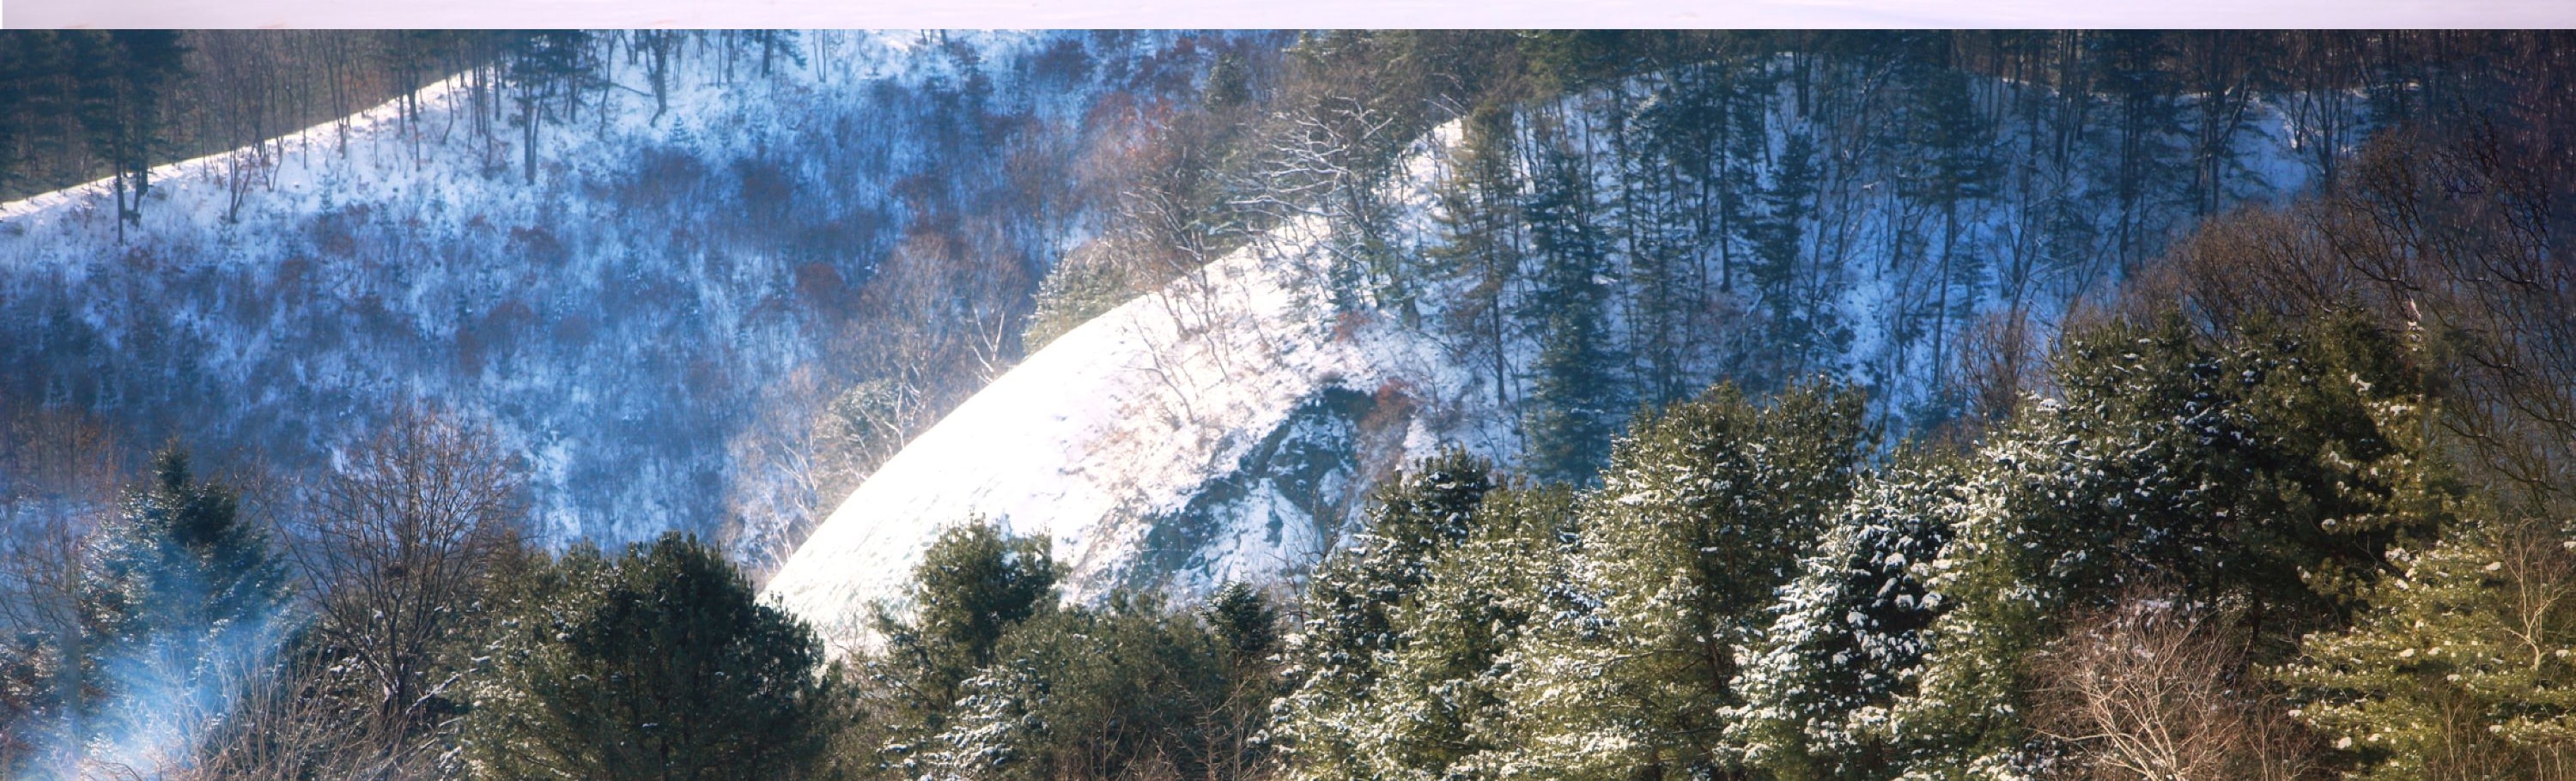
(29, 76)
(2266, 468)
(1244, 620)
(122, 77)
(2129, 67)
(660, 664)
(1439, 710)
(1123, 692)
(177, 600)
(1339, 655)
(2461, 667)
(972, 586)
(1744, 148)
(177, 595)
(1956, 165)
(1800, 328)
(1849, 630)
(1694, 126)
(545, 67)
(1229, 83)
(1574, 398)
(1479, 217)
(1246, 626)
(1700, 516)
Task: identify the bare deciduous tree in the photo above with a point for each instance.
(2154, 691)
(400, 544)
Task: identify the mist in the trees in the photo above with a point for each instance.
(1148, 406)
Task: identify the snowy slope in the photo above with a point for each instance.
(625, 320)
(1226, 428)
(1220, 429)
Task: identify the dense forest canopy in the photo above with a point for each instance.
(1994, 405)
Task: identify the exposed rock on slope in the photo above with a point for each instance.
(1223, 428)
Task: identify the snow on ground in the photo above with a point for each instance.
(620, 319)
(1105, 439)
(1149, 443)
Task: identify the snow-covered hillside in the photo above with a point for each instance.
(658, 313)
(1228, 426)
(1223, 428)
(689, 244)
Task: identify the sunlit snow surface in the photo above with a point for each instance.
(1106, 440)
(612, 327)
(1122, 422)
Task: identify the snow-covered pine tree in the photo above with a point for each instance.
(972, 586)
(1129, 690)
(1848, 631)
(1439, 711)
(1702, 513)
(1340, 653)
(2261, 469)
(178, 598)
(2464, 666)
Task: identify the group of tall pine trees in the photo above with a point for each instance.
(102, 92)
(1752, 591)
(2245, 524)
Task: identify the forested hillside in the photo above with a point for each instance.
(1553, 232)
(622, 249)
(85, 105)
(1423, 405)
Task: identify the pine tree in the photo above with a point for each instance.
(122, 77)
(1438, 709)
(1574, 398)
(1849, 630)
(2461, 668)
(660, 664)
(1800, 328)
(1246, 626)
(2128, 66)
(972, 586)
(1957, 166)
(1478, 219)
(1123, 692)
(178, 599)
(1338, 656)
(545, 67)
(1699, 518)
(2266, 468)
(1693, 127)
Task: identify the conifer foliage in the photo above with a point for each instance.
(2461, 667)
(176, 602)
(2291, 506)
(1340, 654)
(1696, 522)
(657, 664)
(2265, 470)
